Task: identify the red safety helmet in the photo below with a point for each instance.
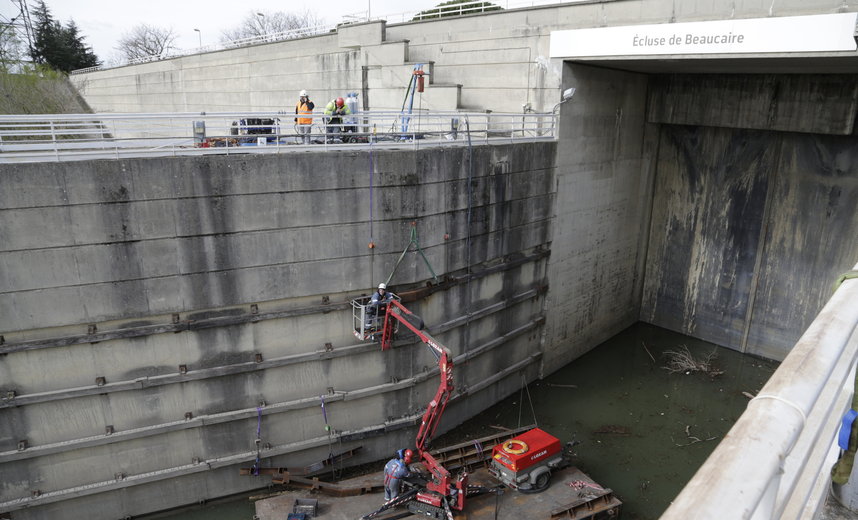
(408, 456)
(340, 101)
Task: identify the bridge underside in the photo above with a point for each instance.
(754, 182)
(768, 64)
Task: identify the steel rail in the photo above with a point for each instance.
(70, 137)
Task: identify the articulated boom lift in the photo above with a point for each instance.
(443, 491)
(523, 463)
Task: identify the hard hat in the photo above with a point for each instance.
(382, 285)
(407, 456)
(340, 101)
(303, 93)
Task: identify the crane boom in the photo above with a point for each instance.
(443, 484)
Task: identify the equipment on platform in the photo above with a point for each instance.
(199, 133)
(255, 126)
(525, 462)
(305, 507)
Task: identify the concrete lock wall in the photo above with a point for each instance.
(157, 312)
(754, 211)
(604, 175)
(495, 61)
(154, 313)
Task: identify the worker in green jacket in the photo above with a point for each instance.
(334, 112)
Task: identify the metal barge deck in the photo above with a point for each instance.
(571, 495)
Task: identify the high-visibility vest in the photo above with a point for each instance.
(302, 109)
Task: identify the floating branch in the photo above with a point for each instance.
(683, 361)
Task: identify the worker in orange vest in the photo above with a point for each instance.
(304, 108)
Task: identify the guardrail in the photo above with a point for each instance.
(69, 137)
(775, 462)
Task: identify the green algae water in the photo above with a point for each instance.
(643, 431)
(232, 508)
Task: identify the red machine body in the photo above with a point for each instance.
(521, 461)
(526, 450)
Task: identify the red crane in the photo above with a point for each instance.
(444, 491)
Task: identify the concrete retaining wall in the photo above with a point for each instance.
(157, 312)
(604, 177)
(751, 227)
(495, 61)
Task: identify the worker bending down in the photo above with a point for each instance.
(394, 471)
(334, 112)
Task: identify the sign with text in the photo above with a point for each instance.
(815, 33)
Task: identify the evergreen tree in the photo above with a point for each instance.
(81, 55)
(61, 48)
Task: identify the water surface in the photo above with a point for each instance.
(643, 430)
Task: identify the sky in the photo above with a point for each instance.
(103, 22)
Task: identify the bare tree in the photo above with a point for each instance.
(146, 41)
(264, 23)
(11, 49)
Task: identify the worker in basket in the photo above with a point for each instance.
(395, 470)
(377, 307)
(334, 112)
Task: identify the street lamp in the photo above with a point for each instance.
(566, 96)
(200, 34)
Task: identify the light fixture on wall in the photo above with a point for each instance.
(566, 96)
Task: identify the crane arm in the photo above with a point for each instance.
(432, 416)
(442, 481)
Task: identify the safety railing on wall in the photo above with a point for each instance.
(775, 462)
(68, 137)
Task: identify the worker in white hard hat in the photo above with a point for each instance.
(304, 116)
(334, 112)
(378, 305)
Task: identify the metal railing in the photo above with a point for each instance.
(68, 137)
(775, 462)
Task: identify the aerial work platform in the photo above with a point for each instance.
(572, 495)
